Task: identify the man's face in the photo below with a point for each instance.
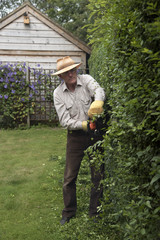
(70, 77)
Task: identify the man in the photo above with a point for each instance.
(74, 106)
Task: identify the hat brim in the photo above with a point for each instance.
(67, 69)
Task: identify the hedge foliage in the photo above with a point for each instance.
(126, 61)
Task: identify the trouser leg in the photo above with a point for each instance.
(74, 156)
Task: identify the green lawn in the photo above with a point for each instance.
(31, 176)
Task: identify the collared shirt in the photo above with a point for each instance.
(72, 107)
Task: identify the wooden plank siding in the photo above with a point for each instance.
(34, 39)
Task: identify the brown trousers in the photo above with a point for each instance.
(77, 142)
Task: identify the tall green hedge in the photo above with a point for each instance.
(125, 59)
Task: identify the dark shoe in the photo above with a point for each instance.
(65, 220)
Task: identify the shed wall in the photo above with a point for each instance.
(36, 43)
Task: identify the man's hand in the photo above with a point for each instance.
(96, 108)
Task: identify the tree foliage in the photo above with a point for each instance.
(6, 6)
(126, 60)
(71, 14)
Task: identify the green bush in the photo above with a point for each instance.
(126, 61)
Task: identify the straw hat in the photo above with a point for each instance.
(65, 64)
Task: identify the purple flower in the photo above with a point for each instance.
(38, 65)
(5, 86)
(5, 96)
(33, 87)
(1, 96)
(1, 79)
(10, 74)
(22, 99)
(13, 91)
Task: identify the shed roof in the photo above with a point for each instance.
(29, 8)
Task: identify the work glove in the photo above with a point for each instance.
(96, 108)
(84, 126)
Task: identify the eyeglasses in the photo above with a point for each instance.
(70, 71)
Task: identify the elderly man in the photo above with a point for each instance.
(76, 99)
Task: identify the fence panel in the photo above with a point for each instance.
(42, 104)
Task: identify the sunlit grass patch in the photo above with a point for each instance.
(30, 182)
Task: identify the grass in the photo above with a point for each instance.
(31, 176)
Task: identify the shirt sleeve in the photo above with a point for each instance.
(95, 89)
(63, 114)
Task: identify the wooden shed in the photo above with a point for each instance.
(27, 35)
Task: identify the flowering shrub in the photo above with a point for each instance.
(17, 96)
